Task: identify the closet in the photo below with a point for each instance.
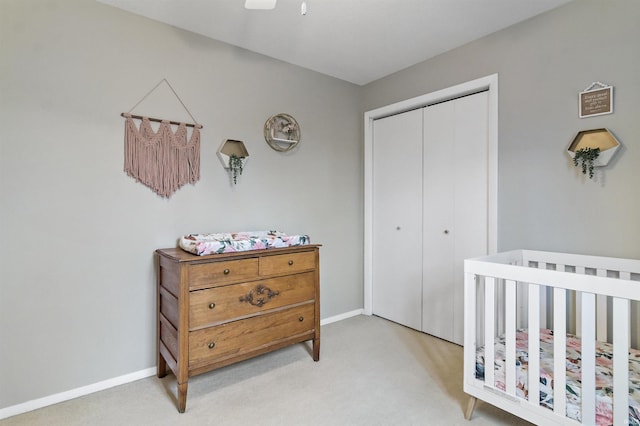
(429, 211)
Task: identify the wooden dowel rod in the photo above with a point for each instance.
(159, 120)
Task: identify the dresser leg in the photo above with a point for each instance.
(316, 349)
(182, 397)
(162, 366)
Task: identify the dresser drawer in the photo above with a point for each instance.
(239, 337)
(227, 303)
(220, 273)
(287, 263)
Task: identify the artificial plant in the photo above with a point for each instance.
(235, 165)
(586, 157)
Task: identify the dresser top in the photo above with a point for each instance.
(179, 255)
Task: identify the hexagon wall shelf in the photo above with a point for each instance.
(596, 138)
(232, 147)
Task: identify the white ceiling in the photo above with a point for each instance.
(354, 40)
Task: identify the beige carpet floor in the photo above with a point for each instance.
(371, 372)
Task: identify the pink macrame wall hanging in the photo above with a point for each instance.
(163, 160)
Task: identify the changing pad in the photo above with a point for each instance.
(204, 244)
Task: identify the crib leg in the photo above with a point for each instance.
(470, 406)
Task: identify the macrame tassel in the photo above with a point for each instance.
(161, 160)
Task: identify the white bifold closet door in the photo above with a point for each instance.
(454, 208)
(397, 220)
(429, 212)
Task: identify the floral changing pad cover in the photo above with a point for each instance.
(204, 244)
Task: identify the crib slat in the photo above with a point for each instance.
(570, 301)
(499, 302)
(559, 351)
(634, 316)
(470, 338)
(633, 326)
(579, 270)
(620, 361)
(510, 337)
(489, 331)
(544, 298)
(577, 312)
(634, 321)
(480, 310)
(588, 391)
(534, 345)
(601, 312)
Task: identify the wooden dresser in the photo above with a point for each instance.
(220, 309)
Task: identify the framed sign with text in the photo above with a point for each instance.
(597, 99)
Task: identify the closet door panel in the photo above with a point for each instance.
(438, 220)
(397, 218)
(470, 193)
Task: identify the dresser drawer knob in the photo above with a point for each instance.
(212, 345)
(212, 305)
(226, 271)
(300, 319)
(290, 262)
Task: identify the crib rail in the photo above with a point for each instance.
(506, 290)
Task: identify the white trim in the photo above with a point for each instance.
(75, 393)
(489, 83)
(341, 317)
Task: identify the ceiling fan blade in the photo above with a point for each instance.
(260, 4)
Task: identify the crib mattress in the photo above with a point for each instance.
(204, 244)
(604, 375)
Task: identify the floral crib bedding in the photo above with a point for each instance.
(204, 244)
(604, 375)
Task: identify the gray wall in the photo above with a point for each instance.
(543, 63)
(77, 299)
(77, 235)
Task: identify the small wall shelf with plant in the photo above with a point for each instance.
(233, 155)
(592, 148)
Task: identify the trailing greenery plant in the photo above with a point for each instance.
(235, 164)
(585, 157)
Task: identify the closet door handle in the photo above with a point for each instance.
(446, 231)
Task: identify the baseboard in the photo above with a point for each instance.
(75, 393)
(341, 317)
(35, 404)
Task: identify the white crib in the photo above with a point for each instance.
(592, 298)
